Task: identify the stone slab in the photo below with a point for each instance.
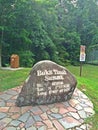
(47, 83)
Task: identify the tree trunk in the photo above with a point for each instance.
(0, 57)
(1, 49)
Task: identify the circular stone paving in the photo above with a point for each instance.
(69, 115)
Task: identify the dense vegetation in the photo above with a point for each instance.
(47, 29)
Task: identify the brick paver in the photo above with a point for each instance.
(58, 125)
(57, 116)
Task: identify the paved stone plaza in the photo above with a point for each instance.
(69, 115)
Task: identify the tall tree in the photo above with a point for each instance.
(6, 7)
(45, 29)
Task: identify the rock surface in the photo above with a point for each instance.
(47, 83)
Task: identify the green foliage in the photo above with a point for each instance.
(47, 29)
(92, 57)
(72, 42)
(26, 58)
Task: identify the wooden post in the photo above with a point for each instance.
(81, 69)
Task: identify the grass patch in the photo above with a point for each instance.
(88, 83)
(10, 79)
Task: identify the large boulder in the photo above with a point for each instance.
(47, 83)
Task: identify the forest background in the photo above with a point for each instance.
(47, 29)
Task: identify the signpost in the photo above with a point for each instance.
(82, 57)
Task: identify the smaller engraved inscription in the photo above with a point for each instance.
(47, 83)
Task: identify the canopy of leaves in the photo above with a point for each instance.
(47, 29)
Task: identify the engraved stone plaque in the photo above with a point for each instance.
(47, 83)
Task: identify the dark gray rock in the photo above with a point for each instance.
(47, 83)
